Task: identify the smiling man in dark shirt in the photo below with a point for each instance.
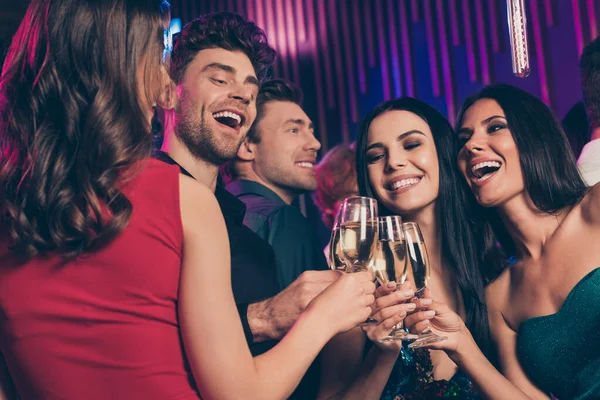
(218, 61)
(275, 164)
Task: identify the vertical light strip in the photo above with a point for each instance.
(577, 26)
(339, 72)
(454, 24)
(260, 16)
(251, 12)
(549, 13)
(539, 51)
(469, 42)
(312, 38)
(445, 57)
(406, 51)
(592, 19)
(292, 43)
(494, 32)
(300, 21)
(324, 44)
(242, 9)
(394, 53)
(358, 40)
(431, 50)
(414, 8)
(272, 35)
(483, 53)
(369, 34)
(350, 73)
(383, 65)
(279, 26)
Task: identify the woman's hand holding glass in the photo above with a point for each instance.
(392, 304)
(439, 319)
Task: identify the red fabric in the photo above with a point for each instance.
(105, 325)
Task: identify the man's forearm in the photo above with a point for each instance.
(262, 324)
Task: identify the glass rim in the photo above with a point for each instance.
(361, 197)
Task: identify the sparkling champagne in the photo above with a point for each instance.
(419, 261)
(358, 240)
(389, 262)
(335, 251)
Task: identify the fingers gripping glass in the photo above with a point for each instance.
(389, 264)
(419, 274)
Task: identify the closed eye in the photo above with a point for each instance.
(372, 158)
(495, 127)
(412, 145)
(218, 81)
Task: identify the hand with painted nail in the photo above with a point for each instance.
(389, 309)
(442, 321)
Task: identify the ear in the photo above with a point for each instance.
(247, 151)
(167, 100)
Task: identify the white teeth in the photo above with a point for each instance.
(305, 164)
(228, 114)
(485, 164)
(404, 183)
(484, 178)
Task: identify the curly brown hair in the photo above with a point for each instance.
(72, 122)
(223, 30)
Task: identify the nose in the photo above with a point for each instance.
(312, 143)
(395, 161)
(241, 93)
(474, 145)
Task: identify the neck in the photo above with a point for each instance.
(288, 196)
(595, 133)
(529, 227)
(201, 170)
(428, 220)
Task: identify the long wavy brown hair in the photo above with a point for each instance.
(73, 120)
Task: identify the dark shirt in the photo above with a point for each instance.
(253, 270)
(284, 227)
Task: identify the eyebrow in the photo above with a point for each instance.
(399, 138)
(484, 122)
(231, 70)
(300, 122)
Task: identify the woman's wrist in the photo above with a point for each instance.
(465, 347)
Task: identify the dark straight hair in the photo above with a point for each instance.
(549, 168)
(460, 247)
(72, 119)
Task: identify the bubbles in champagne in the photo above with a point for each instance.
(358, 241)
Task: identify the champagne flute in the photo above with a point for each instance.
(336, 258)
(358, 232)
(419, 261)
(390, 264)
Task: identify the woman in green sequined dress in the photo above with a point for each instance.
(544, 308)
(406, 138)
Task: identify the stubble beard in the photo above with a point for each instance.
(201, 141)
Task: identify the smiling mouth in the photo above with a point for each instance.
(403, 183)
(229, 118)
(305, 164)
(485, 170)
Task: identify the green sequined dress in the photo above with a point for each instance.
(561, 352)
